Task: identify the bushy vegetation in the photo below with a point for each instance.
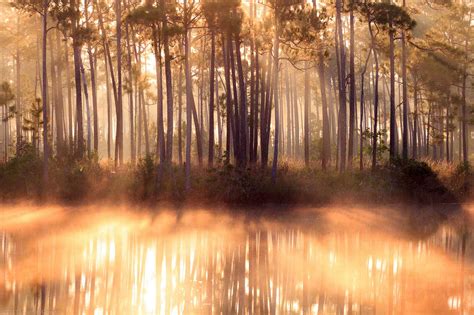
(88, 180)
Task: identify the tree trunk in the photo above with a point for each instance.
(119, 137)
(169, 88)
(393, 118)
(229, 117)
(342, 90)
(130, 97)
(88, 114)
(243, 105)
(210, 159)
(352, 90)
(276, 61)
(180, 120)
(18, 109)
(44, 92)
(415, 118)
(376, 101)
(307, 105)
(109, 109)
(326, 152)
(405, 95)
(189, 105)
(60, 102)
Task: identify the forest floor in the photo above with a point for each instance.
(89, 181)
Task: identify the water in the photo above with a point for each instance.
(331, 261)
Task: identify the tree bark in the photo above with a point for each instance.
(352, 91)
(276, 61)
(210, 159)
(342, 90)
(44, 92)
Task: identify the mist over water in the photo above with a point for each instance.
(104, 260)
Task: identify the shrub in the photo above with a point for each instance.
(419, 182)
(75, 179)
(143, 186)
(21, 176)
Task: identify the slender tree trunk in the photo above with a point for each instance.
(109, 109)
(393, 115)
(211, 99)
(69, 96)
(44, 92)
(18, 107)
(119, 137)
(352, 90)
(342, 90)
(60, 99)
(229, 117)
(463, 96)
(88, 115)
(296, 119)
(161, 146)
(77, 77)
(243, 106)
(180, 120)
(376, 100)
(219, 115)
(326, 152)
(169, 88)
(94, 98)
(236, 112)
(415, 118)
(307, 105)
(276, 61)
(288, 113)
(189, 105)
(405, 94)
(256, 105)
(130, 96)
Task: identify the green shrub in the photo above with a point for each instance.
(144, 179)
(419, 182)
(21, 176)
(75, 179)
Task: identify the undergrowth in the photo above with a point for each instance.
(89, 180)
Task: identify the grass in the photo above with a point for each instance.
(88, 180)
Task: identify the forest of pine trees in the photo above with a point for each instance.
(344, 85)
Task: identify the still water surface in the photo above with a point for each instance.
(99, 260)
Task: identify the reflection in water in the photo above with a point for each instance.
(55, 261)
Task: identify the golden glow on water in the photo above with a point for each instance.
(348, 261)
